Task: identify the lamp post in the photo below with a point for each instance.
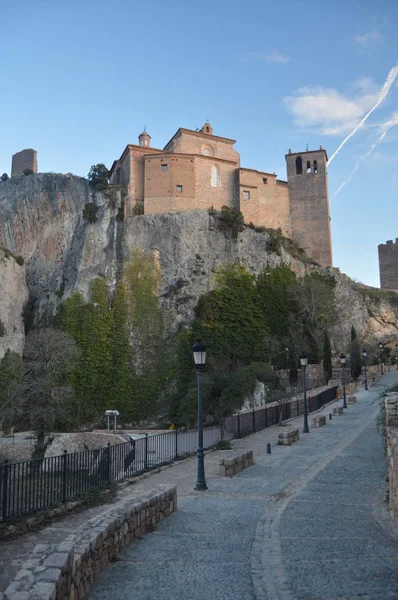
(199, 355)
(380, 351)
(304, 363)
(396, 355)
(364, 355)
(287, 357)
(343, 361)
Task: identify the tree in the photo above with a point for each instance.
(49, 358)
(314, 295)
(230, 321)
(327, 356)
(121, 352)
(147, 329)
(355, 355)
(99, 175)
(4, 177)
(10, 377)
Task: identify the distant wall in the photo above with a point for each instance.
(388, 265)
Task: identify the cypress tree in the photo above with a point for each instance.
(327, 356)
(355, 355)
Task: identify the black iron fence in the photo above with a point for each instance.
(42, 483)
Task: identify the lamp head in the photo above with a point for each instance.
(364, 353)
(199, 354)
(304, 359)
(342, 359)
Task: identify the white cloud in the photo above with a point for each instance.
(328, 111)
(369, 39)
(271, 57)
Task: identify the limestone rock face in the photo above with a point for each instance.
(41, 218)
(13, 295)
(191, 248)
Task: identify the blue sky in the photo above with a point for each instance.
(80, 79)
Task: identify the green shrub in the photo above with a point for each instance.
(231, 218)
(4, 177)
(138, 208)
(90, 212)
(28, 172)
(223, 445)
(120, 215)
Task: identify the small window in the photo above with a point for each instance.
(164, 167)
(145, 142)
(299, 166)
(308, 166)
(315, 166)
(215, 176)
(246, 195)
(179, 188)
(265, 180)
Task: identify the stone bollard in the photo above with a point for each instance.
(337, 411)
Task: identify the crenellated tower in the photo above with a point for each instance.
(388, 265)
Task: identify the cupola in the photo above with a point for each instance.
(144, 139)
(207, 128)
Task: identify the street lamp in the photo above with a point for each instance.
(343, 361)
(287, 357)
(396, 355)
(199, 355)
(304, 363)
(380, 350)
(364, 355)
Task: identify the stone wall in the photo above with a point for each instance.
(67, 571)
(388, 265)
(391, 408)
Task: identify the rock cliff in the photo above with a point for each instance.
(41, 218)
(13, 295)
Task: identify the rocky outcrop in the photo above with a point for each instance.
(13, 295)
(42, 219)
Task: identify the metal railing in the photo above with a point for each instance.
(39, 484)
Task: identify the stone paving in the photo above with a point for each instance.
(297, 525)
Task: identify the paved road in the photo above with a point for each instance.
(297, 525)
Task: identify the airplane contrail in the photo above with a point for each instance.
(386, 127)
(382, 94)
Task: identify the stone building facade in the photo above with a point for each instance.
(388, 265)
(199, 170)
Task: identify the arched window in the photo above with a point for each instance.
(299, 166)
(315, 166)
(308, 166)
(215, 176)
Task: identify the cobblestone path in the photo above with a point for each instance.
(332, 547)
(297, 525)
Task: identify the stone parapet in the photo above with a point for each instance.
(391, 408)
(67, 571)
(231, 465)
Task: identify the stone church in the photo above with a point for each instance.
(199, 170)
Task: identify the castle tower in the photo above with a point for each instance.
(388, 265)
(309, 203)
(144, 139)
